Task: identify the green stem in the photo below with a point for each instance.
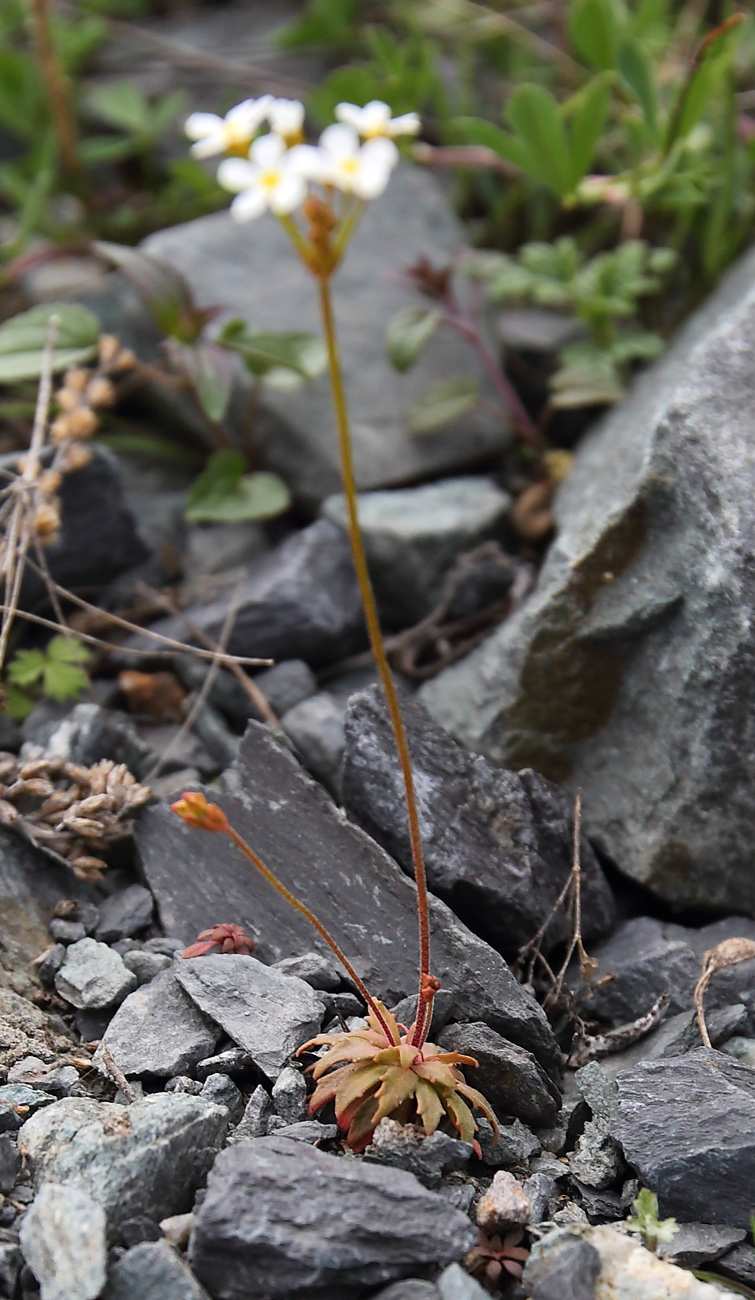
(378, 649)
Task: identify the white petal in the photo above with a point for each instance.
(307, 160)
(267, 150)
(199, 125)
(376, 113)
(286, 116)
(252, 203)
(377, 164)
(340, 140)
(379, 152)
(236, 174)
(210, 145)
(288, 193)
(250, 112)
(406, 124)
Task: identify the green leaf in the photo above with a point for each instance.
(224, 493)
(27, 667)
(263, 351)
(637, 71)
(594, 30)
(63, 681)
(408, 333)
(443, 402)
(22, 340)
(210, 370)
(20, 705)
(163, 288)
(587, 125)
(475, 130)
(535, 116)
(68, 650)
(120, 104)
(724, 1283)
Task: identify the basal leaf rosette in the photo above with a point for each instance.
(369, 1077)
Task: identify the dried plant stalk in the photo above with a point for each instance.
(729, 953)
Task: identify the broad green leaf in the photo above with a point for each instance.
(64, 649)
(475, 130)
(20, 705)
(263, 351)
(443, 402)
(106, 148)
(121, 104)
(210, 369)
(22, 340)
(587, 125)
(408, 333)
(594, 30)
(63, 681)
(27, 667)
(574, 386)
(224, 493)
(536, 117)
(637, 71)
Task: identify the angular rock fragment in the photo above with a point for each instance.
(63, 1243)
(268, 1014)
(281, 1217)
(504, 1205)
(510, 1077)
(498, 844)
(147, 1158)
(159, 1031)
(231, 265)
(153, 1271)
(359, 893)
(687, 1125)
(124, 913)
(643, 962)
(93, 976)
(630, 672)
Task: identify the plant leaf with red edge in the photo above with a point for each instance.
(461, 1117)
(429, 1106)
(398, 1086)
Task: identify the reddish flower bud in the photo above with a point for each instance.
(197, 812)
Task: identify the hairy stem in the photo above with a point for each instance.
(56, 86)
(313, 920)
(378, 649)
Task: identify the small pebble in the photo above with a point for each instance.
(177, 1228)
(146, 965)
(504, 1205)
(290, 1095)
(232, 1061)
(66, 932)
(221, 1089)
(182, 1083)
(51, 964)
(10, 1163)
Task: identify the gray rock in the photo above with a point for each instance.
(147, 1158)
(10, 1163)
(268, 1014)
(146, 965)
(63, 1243)
(686, 1125)
(739, 1264)
(165, 945)
(562, 1267)
(742, 1049)
(299, 602)
(159, 1031)
(542, 1193)
(54, 1079)
(305, 1130)
(412, 536)
(51, 964)
(402, 1146)
(66, 932)
(695, 1244)
(124, 914)
(213, 548)
(411, 1288)
(596, 1158)
(298, 832)
(281, 1216)
(633, 658)
(290, 1095)
(223, 1091)
(455, 1284)
(254, 1121)
(510, 1077)
(93, 976)
(23, 1101)
(153, 1271)
(643, 962)
(316, 728)
(514, 1144)
(681, 1034)
(10, 1266)
(314, 968)
(286, 684)
(231, 1061)
(231, 265)
(498, 844)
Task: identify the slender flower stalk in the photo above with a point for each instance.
(56, 86)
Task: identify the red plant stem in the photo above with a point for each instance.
(372, 620)
(522, 418)
(313, 920)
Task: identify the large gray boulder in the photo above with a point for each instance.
(631, 670)
(253, 272)
(357, 890)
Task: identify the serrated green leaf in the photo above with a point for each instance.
(26, 667)
(224, 493)
(594, 29)
(22, 340)
(637, 72)
(536, 117)
(443, 402)
(69, 650)
(63, 681)
(408, 333)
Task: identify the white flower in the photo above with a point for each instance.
(230, 134)
(286, 118)
(340, 160)
(269, 178)
(375, 120)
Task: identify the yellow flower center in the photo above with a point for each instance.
(350, 166)
(270, 178)
(237, 139)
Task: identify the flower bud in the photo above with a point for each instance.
(47, 519)
(75, 456)
(82, 422)
(125, 360)
(68, 399)
(100, 392)
(194, 809)
(108, 348)
(50, 482)
(77, 379)
(60, 429)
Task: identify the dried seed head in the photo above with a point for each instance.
(77, 379)
(50, 482)
(47, 519)
(108, 348)
(125, 360)
(83, 422)
(60, 429)
(90, 869)
(76, 456)
(100, 392)
(68, 398)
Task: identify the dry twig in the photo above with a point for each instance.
(728, 953)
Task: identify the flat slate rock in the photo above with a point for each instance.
(510, 1077)
(498, 844)
(358, 891)
(30, 886)
(630, 671)
(687, 1125)
(159, 1031)
(152, 1270)
(644, 958)
(253, 272)
(283, 1218)
(269, 1014)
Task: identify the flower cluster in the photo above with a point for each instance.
(274, 170)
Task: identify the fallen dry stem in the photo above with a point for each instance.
(728, 953)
